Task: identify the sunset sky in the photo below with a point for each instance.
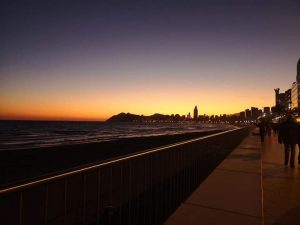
(88, 60)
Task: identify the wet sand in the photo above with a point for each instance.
(17, 166)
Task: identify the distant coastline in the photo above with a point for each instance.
(234, 119)
(157, 117)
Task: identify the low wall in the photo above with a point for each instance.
(142, 188)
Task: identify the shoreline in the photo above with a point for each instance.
(37, 135)
(17, 166)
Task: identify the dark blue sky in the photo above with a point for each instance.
(125, 51)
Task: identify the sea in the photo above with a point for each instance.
(16, 135)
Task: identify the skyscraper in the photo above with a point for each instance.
(295, 96)
(295, 93)
(267, 111)
(283, 100)
(195, 113)
(188, 116)
(298, 71)
(276, 96)
(254, 113)
(248, 114)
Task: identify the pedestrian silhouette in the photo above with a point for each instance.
(288, 135)
(275, 128)
(262, 130)
(268, 129)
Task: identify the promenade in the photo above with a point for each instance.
(251, 186)
(281, 186)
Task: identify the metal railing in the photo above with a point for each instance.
(142, 188)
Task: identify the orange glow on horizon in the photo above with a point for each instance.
(97, 108)
(99, 104)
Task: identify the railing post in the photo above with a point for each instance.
(110, 195)
(46, 204)
(21, 208)
(121, 194)
(65, 201)
(130, 193)
(84, 199)
(98, 196)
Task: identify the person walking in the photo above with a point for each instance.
(288, 135)
(262, 131)
(268, 129)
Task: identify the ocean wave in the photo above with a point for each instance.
(33, 134)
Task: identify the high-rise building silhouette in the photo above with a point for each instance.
(283, 100)
(242, 115)
(248, 114)
(267, 111)
(195, 113)
(277, 96)
(298, 71)
(188, 116)
(295, 96)
(254, 113)
(295, 93)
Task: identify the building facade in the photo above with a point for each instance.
(298, 72)
(283, 100)
(248, 114)
(295, 94)
(195, 113)
(254, 113)
(242, 116)
(267, 111)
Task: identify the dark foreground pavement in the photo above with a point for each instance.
(251, 186)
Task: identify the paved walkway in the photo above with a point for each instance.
(281, 186)
(251, 186)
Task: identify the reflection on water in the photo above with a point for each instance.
(32, 134)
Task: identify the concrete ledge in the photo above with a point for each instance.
(232, 194)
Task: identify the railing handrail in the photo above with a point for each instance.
(101, 164)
